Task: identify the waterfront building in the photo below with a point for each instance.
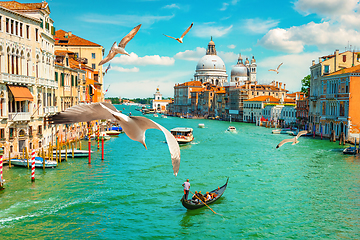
(182, 96)
(89, 54)
(211, 68)
(302, 111)
(27, 86)
(339, 100)
(326, 65)
(207, 101)
(158, 103)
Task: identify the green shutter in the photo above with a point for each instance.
(62, 80)
(42, 23)
(76, 81)
(56, 76)
(72, 80)
(53, 30)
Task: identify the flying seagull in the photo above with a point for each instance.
(276, 70)
(120, 49)
(293, 140)
(180, 40)
(133, 126)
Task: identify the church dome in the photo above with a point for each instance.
(239, 70)
(211, 62)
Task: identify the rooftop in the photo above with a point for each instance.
(63, 38)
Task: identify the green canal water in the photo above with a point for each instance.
(308, 190)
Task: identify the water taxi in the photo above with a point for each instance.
(38, 162)
(201, 125)
(182, 134)
(231, 129)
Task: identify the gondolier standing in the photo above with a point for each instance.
(186, 186)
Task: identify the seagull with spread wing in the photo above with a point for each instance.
(277, 69)
(292, 140)
(134, 126)
(120, 49)
(180, 40)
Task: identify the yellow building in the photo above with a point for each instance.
(27, 86)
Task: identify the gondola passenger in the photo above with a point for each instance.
(195, 198)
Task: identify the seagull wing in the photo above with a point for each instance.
(279, 66)
(169, 36)
(82, 113)
(285, 141)
(301, 133)
(110, 56)
(272, 70)
(135, 128)
(129, 36)
(187, 30)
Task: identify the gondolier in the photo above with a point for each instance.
(186, 186)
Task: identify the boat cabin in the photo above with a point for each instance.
(183, 134)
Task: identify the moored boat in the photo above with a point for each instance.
(350, 150)
(38, 162)
(182, 134)
(77, 153)
(201, 125)
(112, 133)
(231, 129)
(193, 205)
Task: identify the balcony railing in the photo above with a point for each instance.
(47, 82)
(13, 78)
(19, 116)
(50, 109)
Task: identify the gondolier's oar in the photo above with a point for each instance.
(204, 203)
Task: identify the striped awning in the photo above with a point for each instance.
(21, 93)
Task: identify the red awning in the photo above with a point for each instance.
(21, 93)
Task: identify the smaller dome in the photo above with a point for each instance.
(211, 43)
(253, 60)
(239, 70)
(247, 61)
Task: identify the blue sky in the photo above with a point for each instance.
(292, 32)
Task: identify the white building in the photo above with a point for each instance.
(211, 68)
(159, 104)
(242, 73)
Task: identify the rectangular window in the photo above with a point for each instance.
(72, 80)
(27, 31)
(323, 108)
(16, 28)
(0, 23)
(76, 81)
(56, 77)
(21, 29)
(326, 69)
(12, 27)
(42, 23)
(30, 131)
(11, 132)
(36, 34)
(344, 58)
(93, 55)
(62, 80)
(93, 66)
(7, 25)
(342, 109)
(2, 133)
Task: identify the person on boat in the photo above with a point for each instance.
(207, 196)
(186, 186)
(202, 198)
(195, 197)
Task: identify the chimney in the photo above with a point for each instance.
(255, 83)
(70, 34)
(280, 85)
(277, 83)
(320, 59)
(313, 62)
(284, 86)
(336, 52)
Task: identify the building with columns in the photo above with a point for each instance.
(158, 103)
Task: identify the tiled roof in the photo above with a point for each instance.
(75, 64)
(355, 69)
(14, 5)
(263, 99)
(197, 89)
(62, 52)
(190, 83)
(71, 40)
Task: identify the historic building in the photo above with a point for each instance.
(89, 54)
(182, 96)
(242, 73)
(159, 104)
(326, 65)
(26, 76)
(211, 68)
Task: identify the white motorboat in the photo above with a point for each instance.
(77, 153)
(182, 134)
(38, 162)
(163, 116)
(231, 129)
(155, 115)
(113, 132)
(201, 125)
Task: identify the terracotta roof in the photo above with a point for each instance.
(169, 101)
(14, 5)
(197, 90)
(190, 83)
(75, 64)
(355, 69)
(263, 99)
(333, 55)
(62, 52)
(71, 40)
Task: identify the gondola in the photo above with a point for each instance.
(350, 150)
(190, 205)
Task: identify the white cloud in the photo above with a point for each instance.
(123, 19)
(246, 50)
(228, 57)
(323, 35)
(191, 55)
(295, 67)
(134, 59)
(172, 6)
(231, 46)
(121, 69)
(224, 6)
(207, 30)
(258, 25)
(325, 7)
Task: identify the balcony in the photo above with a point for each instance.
(19, 116)
(47, 82)
(313, 98)
(13, 78)
(50, 109)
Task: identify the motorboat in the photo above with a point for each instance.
(182, 134)
(163, 116)
(281, 131)
(77, 153)
(38, 162)
(155, 115)
(231, 129)
(201, 125)
(350, 151)
(112, 132)
(101, 136)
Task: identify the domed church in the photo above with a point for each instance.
(244, 72)
(211, 68)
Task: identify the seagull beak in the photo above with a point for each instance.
(144, 145)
